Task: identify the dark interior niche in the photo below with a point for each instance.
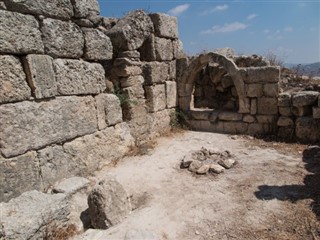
(214, 89)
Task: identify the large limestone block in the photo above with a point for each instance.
(55, 165)
(307, 129)
(171, 94)
(267, 106)
(265, 118)
(40, 75)
(85, 8)
(101, 148)
(271, 90)
(62, 39)
(98, 46)
(18, 174)
(155, 72)
(19, 33)
(164, 25)
(13, 82)
(235, 127)
(230, 116)
(29, 216)
(131, 31)
(284, 100)
(108, 110)
(61, 9)
(163, 49)
(31, 125)
(108, 203)
(305, 98)
(260, 74)
(172, 70)
(147, 50)
(316, 112)
(160, 123)
(178, 49)
(125, 67)
(285, 111)
(285, 122)
(156, 97)
(254, 90)
(79, 77)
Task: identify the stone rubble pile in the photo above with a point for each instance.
(204, 161)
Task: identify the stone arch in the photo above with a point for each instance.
(186, 82)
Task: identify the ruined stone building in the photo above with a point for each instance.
(78, 90)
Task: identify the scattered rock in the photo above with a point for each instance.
(71, 185)
(108, 203)
(194, 166)
(227, 163)
(216, 168)
(203, 169)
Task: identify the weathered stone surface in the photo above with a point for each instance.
(135, 234)
(230, 116)
(124, 67)
(172, 70)
(76, 77)
(164, 25)
(200, 114)
(254, 90)
(178, 49)
(19, 34)
(85, 23)
(147, 50)
(13, 82)
(305, 98)
(261, 74)
(302, 111)
(285, 111)
(132, 81)
(18, 174)
(70, 186)
(307, 129)
(284, 100)
(134, 55)
(98, 46)
(253, 106)
(50, 8)
(40, 75)
(101, 148)
(285, 122)
(248, 118)
(163, 49)
(227, 163)
(265, 118)
(160, 122)
(155, 72)
(109, 22)
(55, 165)
(194, 166)
(226, 81)
(271, 90)
(85, 8)
(319, 101)
(316, 112)
(131, 31)
(171, 94)
(258, 128)
(30, 125)
(251, 61)
(156, 97)
(204, 169)
(267, 106)
(235, 127)
(62, 39)
(108, 110)
(29, 216)
(108, 203)
(216, 168)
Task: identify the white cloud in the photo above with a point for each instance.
(228, 27)
(252, 16)
(266, 31)
(288, 29)
(215, 9)
(178, 9)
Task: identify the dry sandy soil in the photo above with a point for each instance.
(265, 196)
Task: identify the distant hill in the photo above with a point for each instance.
(312, 69)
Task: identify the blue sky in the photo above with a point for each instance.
(291, 29)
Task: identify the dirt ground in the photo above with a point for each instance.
(265, 196)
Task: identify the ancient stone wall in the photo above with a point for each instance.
(78, 90)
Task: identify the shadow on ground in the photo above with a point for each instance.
(293, 193)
